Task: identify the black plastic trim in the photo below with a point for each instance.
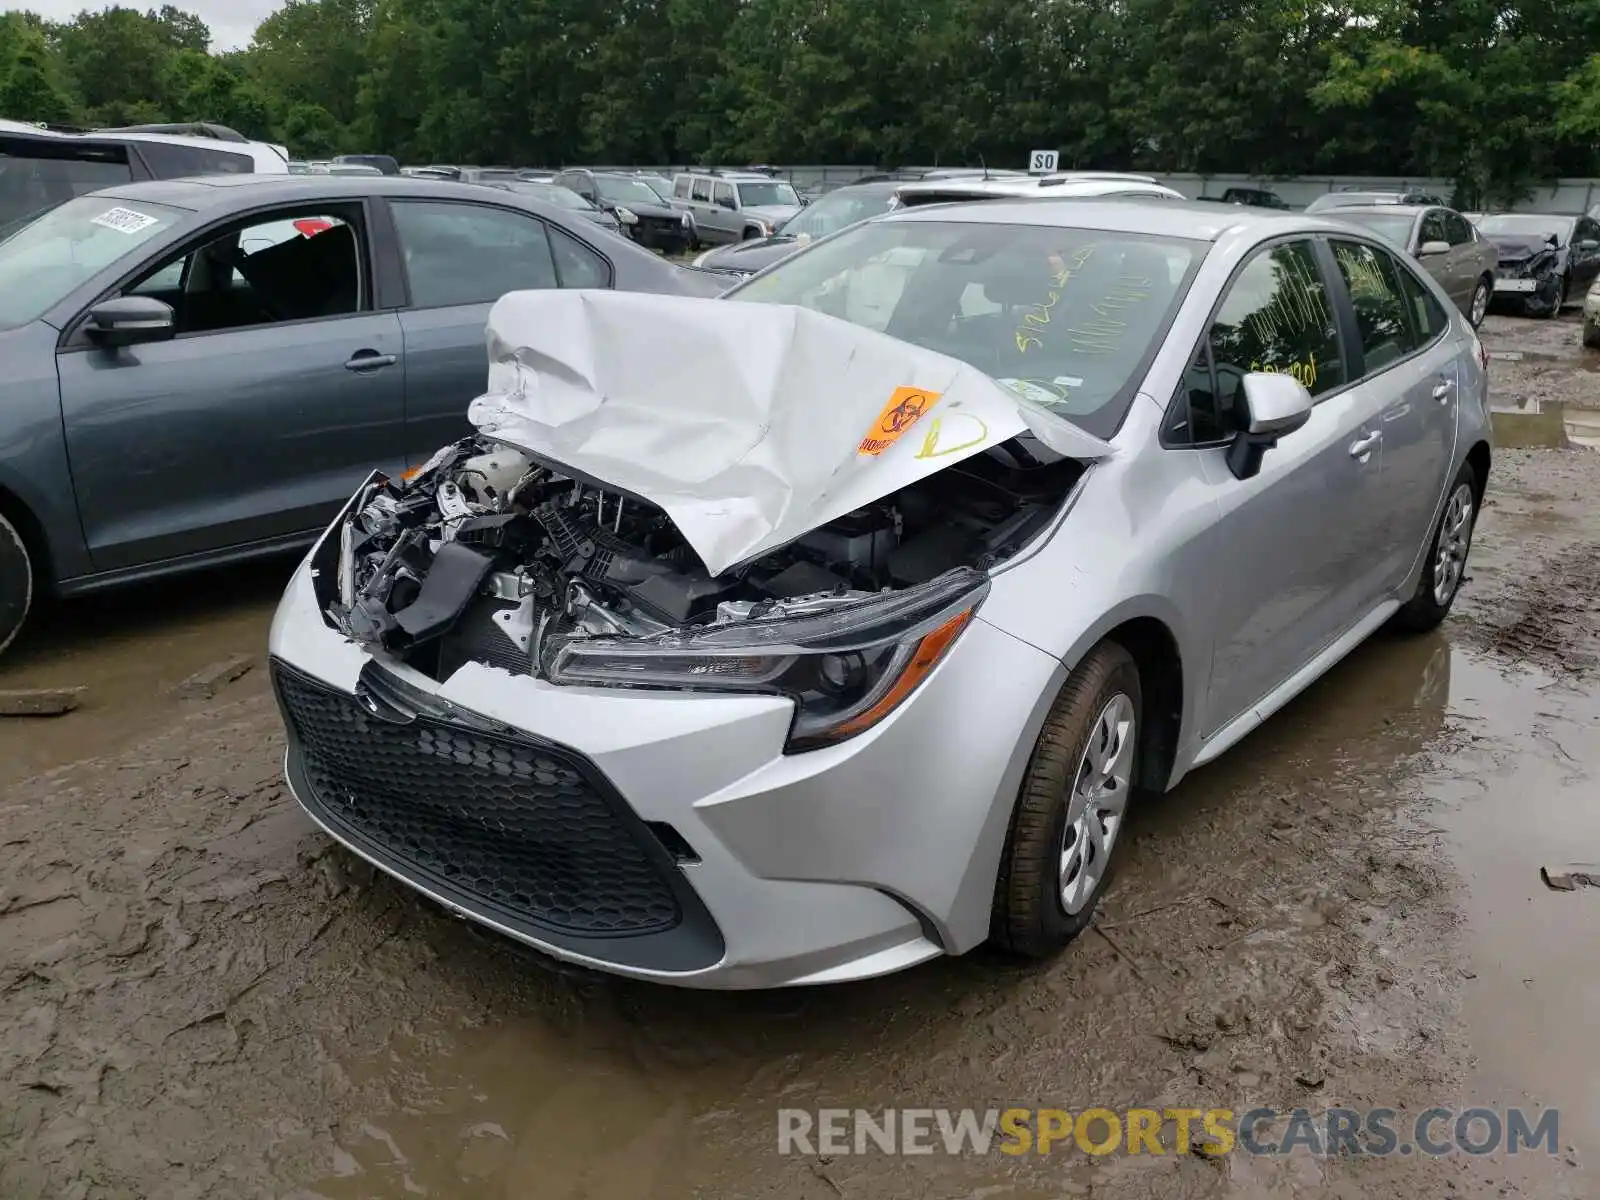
(694, 944)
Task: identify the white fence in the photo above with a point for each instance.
(1562, 196)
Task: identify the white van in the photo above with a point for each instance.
(41, 167)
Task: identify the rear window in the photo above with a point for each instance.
(35, 178)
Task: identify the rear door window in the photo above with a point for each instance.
(36, 176)
(470, 253)
(702, 190)
(1373, 281)
(1428, 317)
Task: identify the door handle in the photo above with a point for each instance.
(1442, 389)
(1363, 446)
(369, 360)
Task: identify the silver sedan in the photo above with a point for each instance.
(815, 631)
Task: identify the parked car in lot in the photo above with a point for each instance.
(1591, 315)
(1061, 185)
(659, 184)
(221, 360)
(644, 216)
(1256, 197)
(830, 213)
(561, 197)
(40, 168)
(869, 668)
(1543, 259)
(734, 206)
(1444, 242)
(385, 164)
(1359, 199)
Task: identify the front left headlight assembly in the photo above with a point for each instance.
(846, 668)
(627, 217)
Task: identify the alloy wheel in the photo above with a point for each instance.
(1098, 803)
(1480, 304)
(1455, 539)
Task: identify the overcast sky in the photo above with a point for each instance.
(232, 22)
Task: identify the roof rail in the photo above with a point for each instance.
(185, 128)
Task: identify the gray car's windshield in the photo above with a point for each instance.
(1394, 226)
(755, 195)
(1066, 317)
(45, 260)
(627, 191)
(1528, 225)
(836, 211)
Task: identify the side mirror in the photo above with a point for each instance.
(804, 202)
(727, 204)
(130, 321)
(1427, 249)
(1274, 404)
(1589, 244)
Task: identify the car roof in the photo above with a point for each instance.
(1061, 183)
(1410, 210)
(201, 192)
(1191, 219)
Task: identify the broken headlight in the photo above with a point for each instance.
(846, 668)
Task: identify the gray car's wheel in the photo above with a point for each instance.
(1479, 306)
(1561, 299)
(16, 583)
(751, 233)
(1591, 333)
(1065, 829)
(1446, 565)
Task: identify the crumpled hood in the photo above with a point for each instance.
(748, 424)
(1518, 245)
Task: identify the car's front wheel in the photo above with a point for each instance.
(1479, 305)
(1446, 564)
(16, 583)
(1591, 333)
(1069, 814)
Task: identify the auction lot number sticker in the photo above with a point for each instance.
(125, 220)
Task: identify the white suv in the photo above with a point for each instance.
(40, 168)
(1062, 184)
(733, 206)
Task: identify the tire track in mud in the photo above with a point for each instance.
(1547, 617)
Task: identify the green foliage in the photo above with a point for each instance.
(1495, 94)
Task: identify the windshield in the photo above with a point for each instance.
(754, 195)
(44, 261)
(834, 212)
(661, 187)
(551, 194)
(1527, 225)
(1394, 226)
(32, 182)
(1066, 317)
(1346, 199)
(626, 191)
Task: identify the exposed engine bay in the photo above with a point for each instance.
(487, 556)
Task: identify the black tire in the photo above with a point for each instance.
(1029, 917)
(16, 583)
(1561, 300)
(1591, 335)
(1425, 610)
(1482, 297)
(751, 233)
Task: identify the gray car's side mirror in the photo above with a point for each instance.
(1589, 244)
(1274, 403)
(1429, 248)
(130, 321)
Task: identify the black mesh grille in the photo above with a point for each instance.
(514, 823)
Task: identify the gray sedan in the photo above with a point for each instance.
(196, 371)
(977, 520)
(1444, 242)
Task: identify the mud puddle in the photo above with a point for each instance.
(129, 649)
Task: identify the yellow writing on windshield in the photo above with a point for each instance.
(1037, 316)
(1102, 333)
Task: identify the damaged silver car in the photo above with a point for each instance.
(811, 632)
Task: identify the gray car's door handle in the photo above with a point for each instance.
(369, 360)
(1363, 446)
(1442, 389)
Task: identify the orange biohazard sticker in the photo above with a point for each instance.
(900, 414)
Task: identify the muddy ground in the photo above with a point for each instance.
(199, 997)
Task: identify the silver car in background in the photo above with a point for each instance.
(1444, 242)
(727, 694)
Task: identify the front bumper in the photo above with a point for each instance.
(674, 238)
(1534, 293)
(690, 849)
